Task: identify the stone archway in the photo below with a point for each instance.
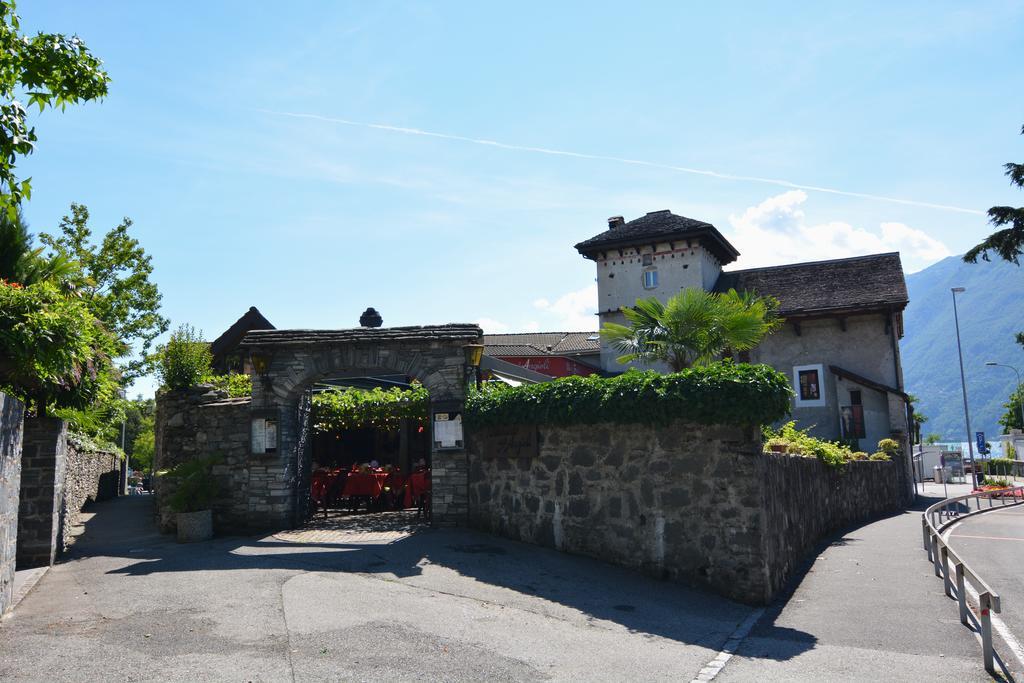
(287, 362)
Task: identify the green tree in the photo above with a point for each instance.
(1008, 242)
(143, 446)
(49, 70)
(115, 284)
(932, 439)
(24, 264)
(184, 360)
(52, 349)
(1011, 418)
(693, 327)
(917, 419)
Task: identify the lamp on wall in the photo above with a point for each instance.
(474, 354)
(260, 362)
(260, 365)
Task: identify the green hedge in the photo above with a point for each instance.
(722, 393)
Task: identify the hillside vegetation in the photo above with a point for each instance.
(991, 311)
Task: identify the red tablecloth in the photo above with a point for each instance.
(364, 484)
(418, 484)
(321, 485)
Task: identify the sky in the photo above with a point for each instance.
(438, 161)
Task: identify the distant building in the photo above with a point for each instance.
(555, 354)
(843, 318)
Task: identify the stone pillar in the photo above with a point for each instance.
(12, 414)
(450, 482)
(42, 489)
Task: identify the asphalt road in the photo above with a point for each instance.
(992, 543)
(130, 605)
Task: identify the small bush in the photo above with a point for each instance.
(1001, 483)
(888, 446)
(1000, 466)
(195, 486)
(799, 442)
(185, 359)
(237, 385)
(880, 455)
(858, 455)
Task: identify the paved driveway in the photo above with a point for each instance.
(432, 605)
(350, 601)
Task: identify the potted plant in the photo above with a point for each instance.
(778, 445)
(195, 489)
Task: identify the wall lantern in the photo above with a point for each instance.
(474, 354)
(260, 362)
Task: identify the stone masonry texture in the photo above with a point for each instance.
(44, 455)
(11, 418)
(694, 503)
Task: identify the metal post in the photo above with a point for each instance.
(985, 619)
(961, 592)
(946, 578)
(935, 554)
(963, 387)
(924, 530)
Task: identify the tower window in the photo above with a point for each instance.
(650, 279)
(648, 259)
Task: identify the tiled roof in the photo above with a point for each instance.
(860, 283)
(451, 332)
(251, 320)
(555, 343)
(515, 350)
(664, 226)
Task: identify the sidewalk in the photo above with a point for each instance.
(876, 609)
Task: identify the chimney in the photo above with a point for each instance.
(616, 222)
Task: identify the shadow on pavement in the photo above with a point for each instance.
(125, 528)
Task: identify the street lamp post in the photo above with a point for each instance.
(963, 387)
(1020, 394)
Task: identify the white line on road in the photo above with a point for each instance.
(715, 666)
(1011, 641)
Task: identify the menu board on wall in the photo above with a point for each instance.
(264, 435)
(447, 430)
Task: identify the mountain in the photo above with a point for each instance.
(991, 311)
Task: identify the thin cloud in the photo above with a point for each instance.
(621, 160)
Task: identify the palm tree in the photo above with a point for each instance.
(20, 263)
(694, 327)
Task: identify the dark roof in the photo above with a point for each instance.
(251, 320)
(869, 383)
(514, 350)
(425, 333)
(851, 284)
(664, 226)
(555, 343)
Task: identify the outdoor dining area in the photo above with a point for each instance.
(369, 488)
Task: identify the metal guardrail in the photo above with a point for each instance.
(954, 571)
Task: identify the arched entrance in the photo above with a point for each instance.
(288, 362)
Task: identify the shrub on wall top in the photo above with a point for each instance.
(185, 360)
(721, 393)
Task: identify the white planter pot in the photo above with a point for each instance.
(195, 526)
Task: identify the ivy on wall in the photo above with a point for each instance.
(338, 409)
(721, 393)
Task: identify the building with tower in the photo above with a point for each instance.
(843, 318)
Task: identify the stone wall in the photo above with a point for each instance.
(11, 418)
(43, 459)
(90, 476)
(696, 503)
(200, 422)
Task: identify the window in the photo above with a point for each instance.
(648, 259)
(810, 385)
(650, 279)
(807, 380)
(855, 398)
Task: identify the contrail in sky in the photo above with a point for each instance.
(621, 160)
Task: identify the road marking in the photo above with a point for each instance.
(1011, 641)
(715, 666)
(990, 538)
